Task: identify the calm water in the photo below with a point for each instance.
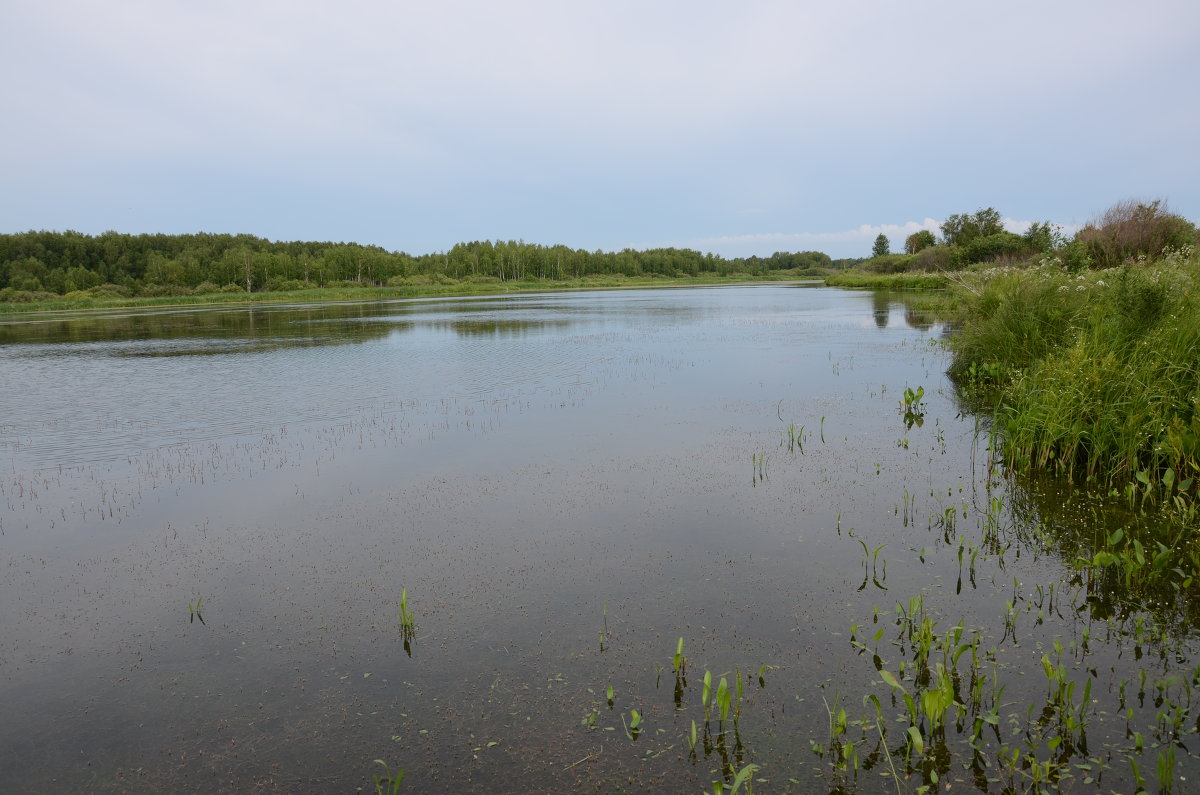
(564, 484)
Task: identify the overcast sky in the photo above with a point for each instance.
(733, 127)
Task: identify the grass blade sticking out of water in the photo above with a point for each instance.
(194, 610)
(389, 783)
(408, 624)
(604, 630)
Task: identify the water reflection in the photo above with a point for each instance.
(208, 330)
(504, 329)
(881, 307)
(921, 311)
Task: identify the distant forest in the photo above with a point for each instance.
(34, 264)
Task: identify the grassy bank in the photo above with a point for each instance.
(1095, 375)
(417, 289)
(866, 280)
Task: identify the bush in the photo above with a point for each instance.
(990, 247)
(1074, 256)
(231, 288)
(1129, 229)
(937, 258)
(9, 295)
(163, 290)
(109, 290)
(277, 285)
(416, 280)
(888, 263)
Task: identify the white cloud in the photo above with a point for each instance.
(1021, 227)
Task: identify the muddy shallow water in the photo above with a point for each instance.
(209, 517)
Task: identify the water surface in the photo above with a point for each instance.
(565, 484)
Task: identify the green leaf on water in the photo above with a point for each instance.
(890, 679)
(918, 743)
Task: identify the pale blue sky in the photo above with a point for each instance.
(734, 127)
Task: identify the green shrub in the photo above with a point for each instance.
(937, 258)
(109, 290)
(161, 290)
(17, 296)
(990, 247)
(416, 280)
(888, 263)
(278, 285)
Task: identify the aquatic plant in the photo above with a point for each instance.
(722, 700)
(759, 463)
(389, 783)
(408, 624)
(912, 407)
(604, 629)
(194, 610)
(633, 728)
(741, 778)
(679, 661)
(874, 575)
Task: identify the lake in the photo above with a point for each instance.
(211, 516)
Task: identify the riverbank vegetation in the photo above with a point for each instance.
(1091, 356)
(1094, 374)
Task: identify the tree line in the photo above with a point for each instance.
(156, 264)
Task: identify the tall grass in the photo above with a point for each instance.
(1095, 375)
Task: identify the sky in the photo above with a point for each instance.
(733, 127)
